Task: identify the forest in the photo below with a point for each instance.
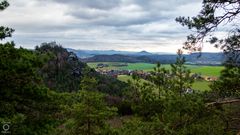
(48, 90)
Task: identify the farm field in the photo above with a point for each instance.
(201, 85)
(203, 70)
(197, 85)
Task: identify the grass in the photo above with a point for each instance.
(111, 65)
(125, 78)
(201, 85)
(197, 85)
(138, 66)
(208, 70)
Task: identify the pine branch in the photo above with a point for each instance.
(223, 102)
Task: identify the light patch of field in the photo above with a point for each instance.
(197, 85)
(201, 85)
(208, 70)
(138, 66)
(125, 78)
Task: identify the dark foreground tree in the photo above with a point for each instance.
(175, 111)
(217, 14)
(214, 14)
(91, 112)
(24, 101)
(5, 31)
(180, 75)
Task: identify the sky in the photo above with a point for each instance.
(126, 25)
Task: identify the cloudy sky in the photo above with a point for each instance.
(130, 25)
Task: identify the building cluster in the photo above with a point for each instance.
(210, 78)
(144, 75)
(115, 73)
(102, 65)
(206, 78)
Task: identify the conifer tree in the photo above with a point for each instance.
(181, 78)
(213, 15)
(91, 113)
(160, 77)
(5, 31)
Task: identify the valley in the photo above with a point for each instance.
(207, 73)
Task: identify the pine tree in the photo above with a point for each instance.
(91, 113)
(160, 78)
(214, 14)
(228, 83)
(5, 31)
(181, 78)
(25, 102)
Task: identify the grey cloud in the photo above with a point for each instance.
(96, 4)
(99, 24)
(163, 4)
(124, 14)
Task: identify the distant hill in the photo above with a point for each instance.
(205, 58)
(113, 58)
(194, 58)
(91, 53)
(143, 53)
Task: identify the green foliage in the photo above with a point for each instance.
(134, 93)
(206, 23)
(88, 84)
(183, 115)
(3, 5)
(136, 127)
(161, 106)
(213, 15)
(228, 83)
(110, 85)
(180, 115)
(160, 77)
(181, 75)
(165, 107)
(5, 31)
(143, 97)
(208, 20)
(106, 84)
(89, 115)
(63, 70)
(25, 102)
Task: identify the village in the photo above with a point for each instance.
(142, 74)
